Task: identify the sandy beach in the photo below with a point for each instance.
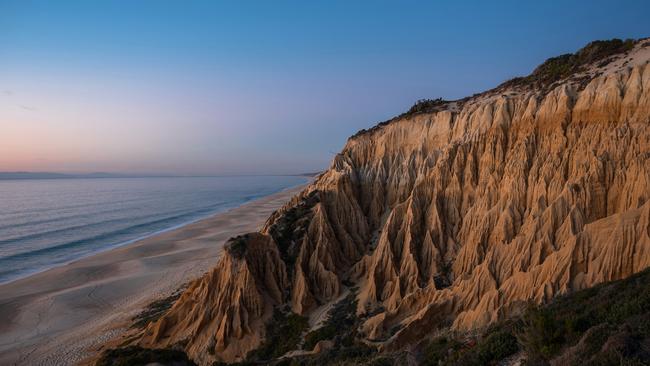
(65, 314)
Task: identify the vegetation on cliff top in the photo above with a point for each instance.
(236, 246)
(425, 106)
(419, 107)
(561, 67)
(544, 76)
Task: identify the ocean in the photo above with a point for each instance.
(50, 222)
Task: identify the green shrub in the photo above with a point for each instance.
(323, 333)
(542, 336)
(497, 346)
(561, 67)
(592, 326)
(341, 324)
(154, 311)
(136, 356)
(425, 106)
(289, 228)
(438, 350)
(236, 246)
(593, 341)
(283, 334)
(356, 354)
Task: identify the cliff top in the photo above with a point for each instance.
(597, 58)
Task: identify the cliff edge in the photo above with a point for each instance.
(455, 215)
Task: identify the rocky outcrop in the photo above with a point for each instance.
(453, 217)
(222, 315)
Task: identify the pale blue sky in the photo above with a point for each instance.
(222, 87)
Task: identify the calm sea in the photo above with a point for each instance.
(44, 223)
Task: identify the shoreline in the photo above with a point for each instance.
(144, 237)
(65, 314)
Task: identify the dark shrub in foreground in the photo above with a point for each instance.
(283, 334)
(137, 356)
(340, 324)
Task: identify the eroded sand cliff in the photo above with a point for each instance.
(456, 217)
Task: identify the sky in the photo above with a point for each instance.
(256, 87)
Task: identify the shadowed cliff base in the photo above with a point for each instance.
(603, 325)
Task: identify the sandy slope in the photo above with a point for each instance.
(61, 315)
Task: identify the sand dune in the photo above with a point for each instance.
(62, 315)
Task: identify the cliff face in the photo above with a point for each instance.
(456, 217)
(222, 314)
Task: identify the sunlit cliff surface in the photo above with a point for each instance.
(454, 215)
